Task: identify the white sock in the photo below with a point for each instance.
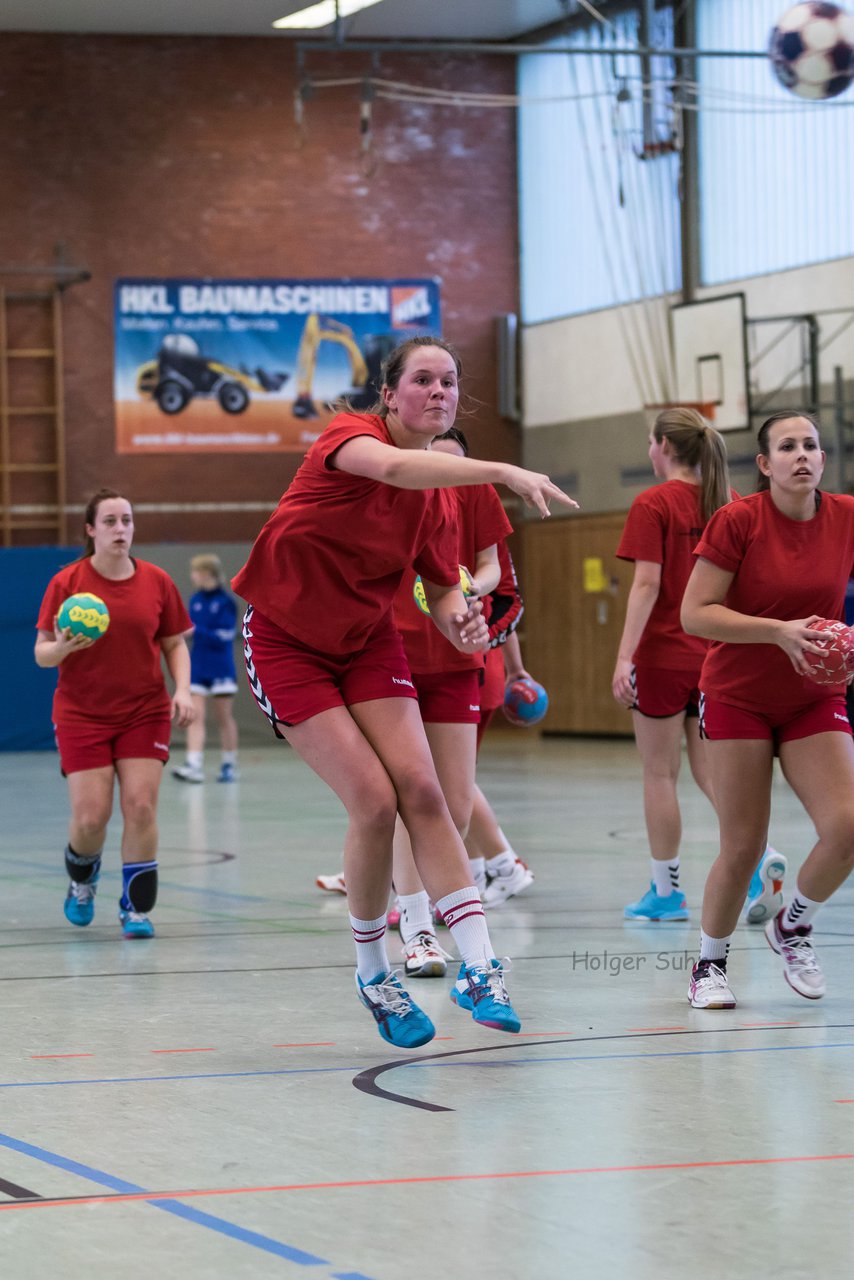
(665, 876)
(415, 915)
(371, 954)
(800, 912)
(477, 867)
(229, 757)
(462, 912)
(194, 759)
(714, 949)
(502, 864)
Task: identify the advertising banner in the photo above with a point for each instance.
(230, 366)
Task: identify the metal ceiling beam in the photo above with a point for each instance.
(515, 50)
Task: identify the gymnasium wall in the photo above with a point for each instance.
(170, 156)
(580, 406)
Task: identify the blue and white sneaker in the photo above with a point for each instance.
(228, 772)
(135, 924)
(79, 905)
(481, 990)
(656, 906)
(398, 1018)
(765, 894)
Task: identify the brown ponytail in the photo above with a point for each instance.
(696, 444)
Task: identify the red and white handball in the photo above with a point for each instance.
(836, 662)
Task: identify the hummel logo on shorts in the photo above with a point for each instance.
(161, 746)
(408, 683)
(837, 716)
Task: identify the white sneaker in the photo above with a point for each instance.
(189, 773)
(424, 958)
(332, 884)
(507, 884)
(803, 971)
(709, 988)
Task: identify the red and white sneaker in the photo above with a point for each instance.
(424, 958)
(802, 970)
(332, 884)
(507, 883)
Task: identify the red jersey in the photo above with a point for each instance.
(119, 678)
(783, 569)
(328, 562)
(481, 523)
(663, 526)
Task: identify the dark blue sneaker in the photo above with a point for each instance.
(480, 989)
(79, 905)
(135, 924)
(656, 906)
(398, 1018)
(227, 772)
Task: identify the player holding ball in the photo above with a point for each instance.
(768, 568)
(112, 710)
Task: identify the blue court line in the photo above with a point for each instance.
(421, 1064)
(201, 1219)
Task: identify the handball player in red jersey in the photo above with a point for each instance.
(768, 567)
(327, 667)
(112, 711)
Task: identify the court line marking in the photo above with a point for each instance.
(158, 1197)
(365, 1081)
(167, 1203)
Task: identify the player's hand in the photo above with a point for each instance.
(621, 683)
(473, 631)
(537, 490)
(67, 642)
(797, 638)
(183, 711)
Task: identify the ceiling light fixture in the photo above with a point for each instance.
(321, 14)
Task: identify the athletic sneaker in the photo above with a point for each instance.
(765, 896)
(228, 772)
(424, 958)
(135, 924)
(332, 884)
(803, 971)
(392, 919)
(79, 905)
(398, 1018)
(709, 988)
(189, 773)
(656, 906)
(504, 885)
(480, 989)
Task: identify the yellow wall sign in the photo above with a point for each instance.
(594, 575)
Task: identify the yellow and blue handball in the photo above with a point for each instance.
(84, 615)
(421, 599)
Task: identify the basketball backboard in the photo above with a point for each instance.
(710, 356)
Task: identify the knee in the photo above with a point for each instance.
(421, 796)
(837, 834)
(91, 820)
(376, 811)
(139, 809)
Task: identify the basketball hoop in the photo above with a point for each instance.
(704, 407)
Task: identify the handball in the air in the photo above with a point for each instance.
(836, 661)
(812, 49)
(421, 600)
(525, 702)
(84, 615)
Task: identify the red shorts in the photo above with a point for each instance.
(96, 746)
(292, 682)
(661, 692)
(451, 697)
(720, 721)
(492, 689)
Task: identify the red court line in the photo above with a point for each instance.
(37, 1056)
(656, 1028)
(403, 1182)
(306, 1044)
(208, 1050)
(845, 1099)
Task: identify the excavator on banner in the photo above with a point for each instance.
(365, 363)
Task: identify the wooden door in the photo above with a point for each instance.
(575, 594)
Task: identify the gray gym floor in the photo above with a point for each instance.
(216, 1103)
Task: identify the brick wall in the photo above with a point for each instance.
(173, 156)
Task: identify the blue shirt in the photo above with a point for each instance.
(214, 616)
